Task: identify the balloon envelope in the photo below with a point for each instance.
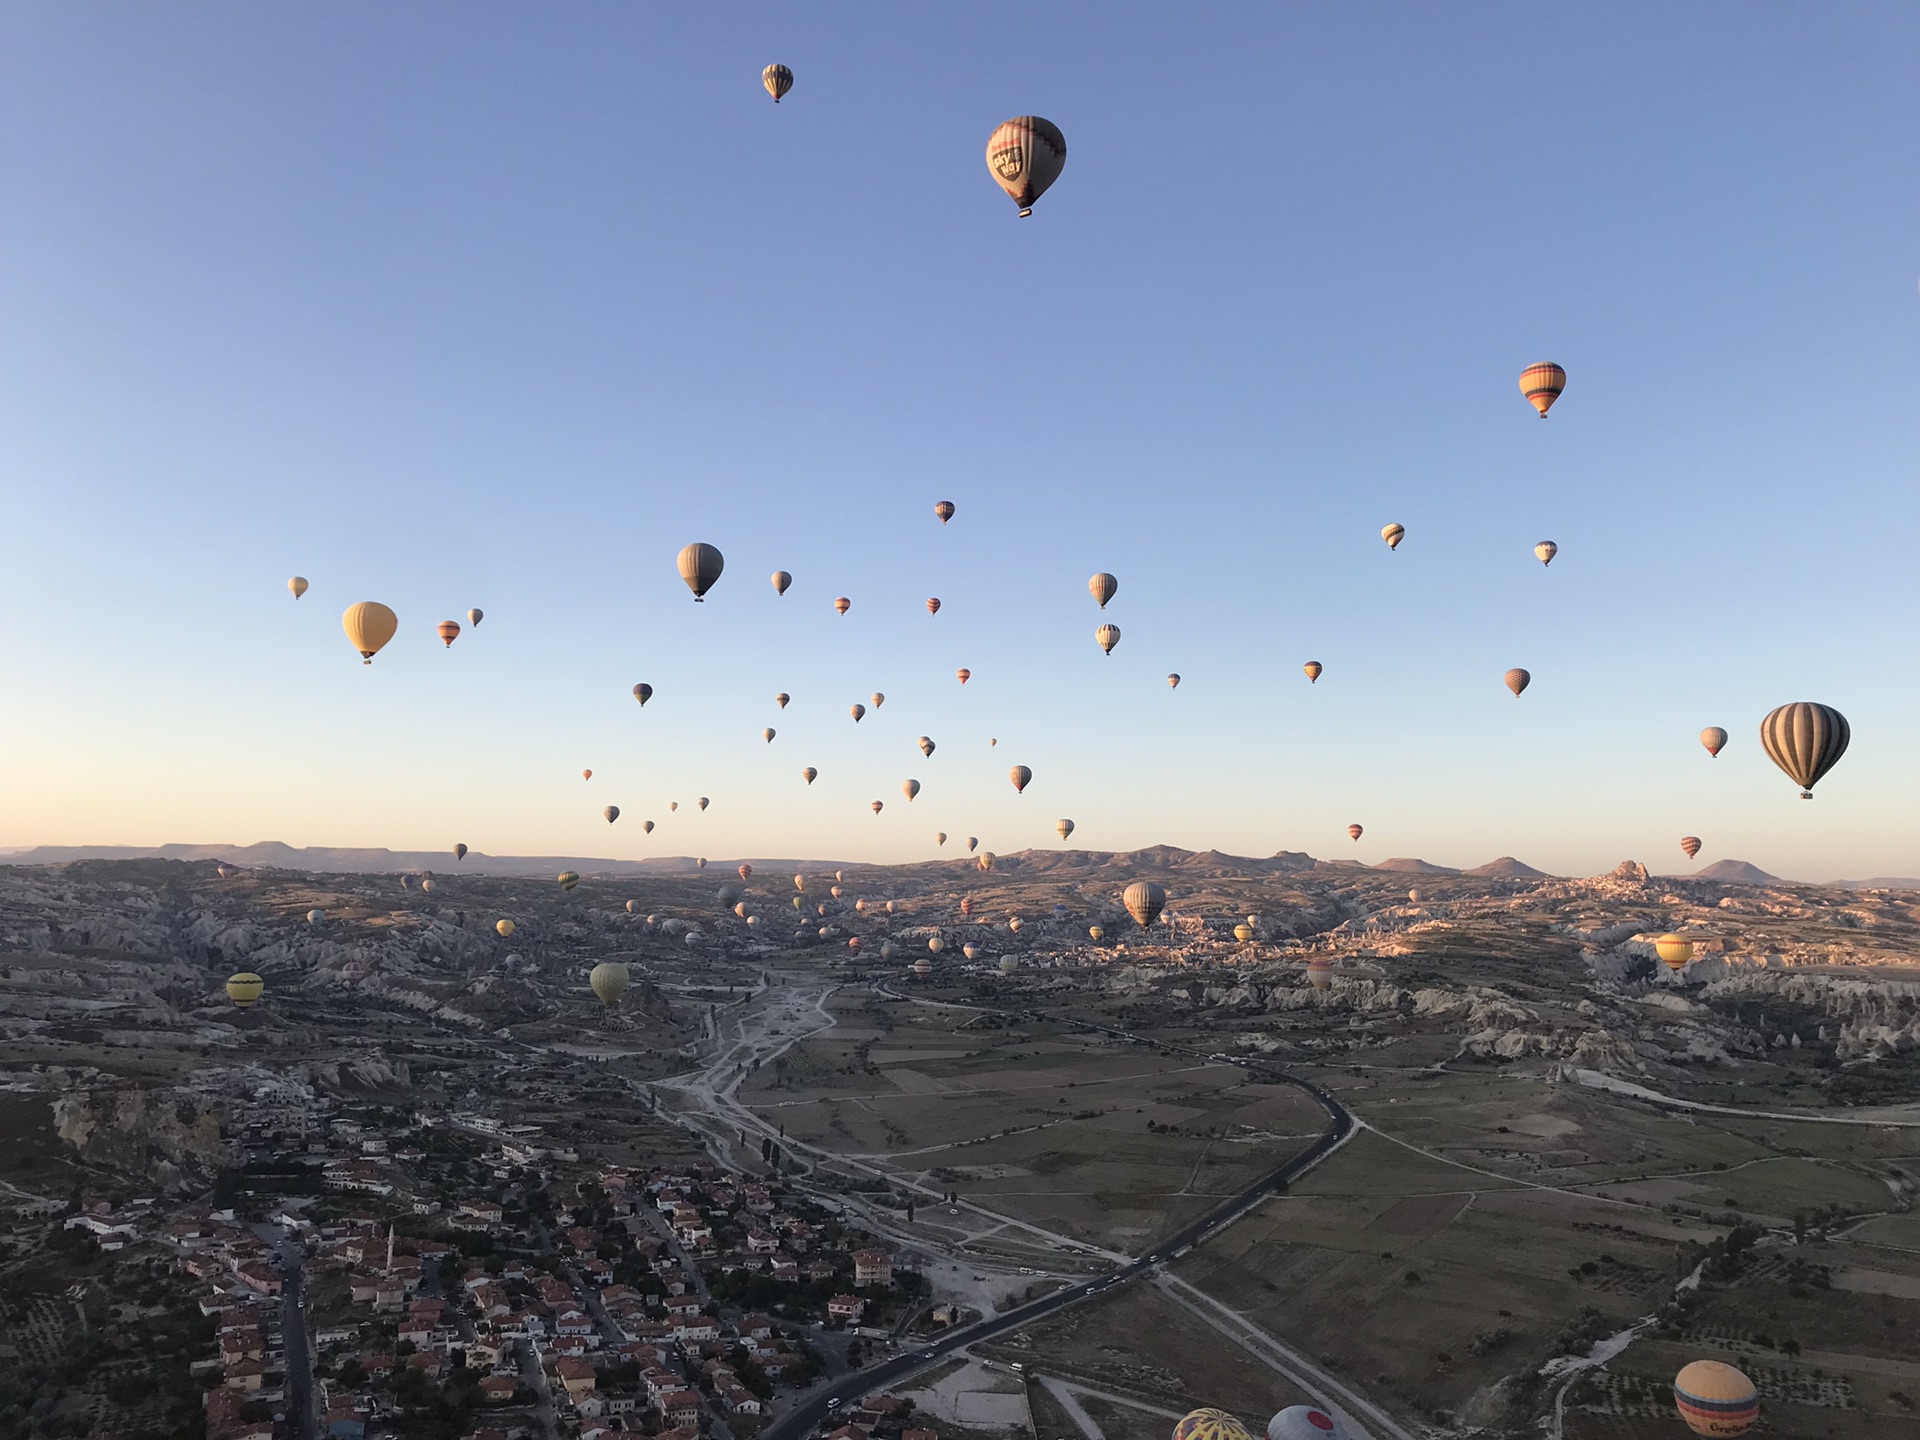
(1690, 844)
(781, 699)
(643, 692)
(933, 604)
(1715, 1400)
(1393, 535)
(778, 80)
(963, 675)
(1107, 636)
(449, 632)
(1144, 901)
(568, 879)
(612, 812)
(1065, 828)
(1805, 740)
(700, 565)
(1313, 670)
(1518, 680)
(609, 981)
(1210, 1424)
(503, 928)
(910, 787)
(1355, 831)
(1102, 587)
(1714, 738)
(1546, 550)
(1173, 682)
(369, 626)
(1674, 951)
(298, 585)
(944, 510)
(245, 988)
(1542, 384)
(927, 746)
(459, 852)
(842, 604)
(476, 615)
(1021, 777)
(1305, 1422)
(1025, 155)
(809, 774)
(781, 580)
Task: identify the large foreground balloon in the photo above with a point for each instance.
(1393, 535)
(298, 585)
(1542, 384)
(778, 79)
(1021, 777)
(459, 852)
(1026, 154)
(1209, 1424)
(1518, 680)
(243, 989)
(1144, 901)
(568, 879)
(449, 632)
(700, 566)
(503, 928)
(1305, 1422)
(1715, 1400)
(1674, 951)
(1102, 588)
(1805, 740)
(1690, 844)
(1107, 636)
(609, 981)
(1714, 738)
(369, 625)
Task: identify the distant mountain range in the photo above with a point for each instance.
(1736, 872)
(334, 860)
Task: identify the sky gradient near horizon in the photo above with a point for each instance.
(500, 306)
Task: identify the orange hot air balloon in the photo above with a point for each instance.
(843, 604)
(1518, 680)
(1355, 832)
(1542, 384)
(933, 604)
(1716, 1400)
(449, 632)
(586, 774)
(944, 510)
(1314, 670)
(963, 675)
(1025, 155)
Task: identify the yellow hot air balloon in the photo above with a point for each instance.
(1320, 973)
(1021, 777)
(1144, 901)
(700, 565)
(1545, 551)
(449, 632)
(1026, 155)
(808, 774)
(1096, 933)
(298, 585)
(944, 510)
(910, 787)
(1354, 832)
(1714, 738)
(1313, 670)
(1393, 535)
(369, 625)
(933, 604)
(568, 879)
(1674, 951)
(936, 944)
(842, 604)
(245, 988)
(1102, 587)
(1064, 827)
(1715, 1400)
(778, 79)
(1209, 1424)
(1542, 384)
(1173, 682)
(1805, 740)
(1518, 680)
(1243, 932)
(503, 927)
(1107, 636)
(1690, 844)
(609, 981)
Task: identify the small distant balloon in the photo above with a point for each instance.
(878, 699)
(1354, 832)
(704, 802)
(647, 826)
(612, 812)
(1025, 155)
(778, 80)
(1714, 738)
(459, 852)
(1518, 680)
(700, 566)
(1107, 636)
(1313, 670)
(298, 585)
(767, 734)
(878, 806)
(842, 604)
(1173, 682)
(1542, 384)
(1393, 535)
(746, 871)
(673, 805)
(316, 917)
(857, 711)
(1021, 777)
(911, 788)
(246, 987)
(944, 510)
(927, 746)
(808, 774)
(781, 580)
(781, 699)
(503, 928)
(939, 837)
(1103, 588)
(643, 692)
(567, 879)
(1690, 844)
(1546, 550)
(973, 842)
(963, 675)
(609, 981)
(933, 604)
(475, 616)
(1144, 901)
(1063, 827)
(449, 632)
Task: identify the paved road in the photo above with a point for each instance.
(298, 1402)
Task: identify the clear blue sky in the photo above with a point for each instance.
(500, 305)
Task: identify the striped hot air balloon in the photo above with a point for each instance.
(778, 79)
(1320, 973)
(1542, 384)
(1144, 901)
(924, 968)
(700, 565)
(933, 604)
(1674, 951)
(1715, 1400)
(1354, 832)
(1021, 777)
(1690, 844)
(1209, 1424)
(1393, 535)
(245, 988)
(963, 675)
(843, 604)
(449, 632)
(1026, 155)
(1806, 741)
(1103, 587)
(1313, 670)
(568, 879)
(1107, 636)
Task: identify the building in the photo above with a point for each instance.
(872, 1267)
(847, 1309)
(576, 1375)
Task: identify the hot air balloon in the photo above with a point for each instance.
(449, 632)
(1209, 1425)
(1715, 1400)
(1021, 776)
(701, 863)
(1413, 897)
(970, 950)
(924, 968)
(983, 862)
(778, 79)
(878, 806)
(1173, 682)
(842, 604)
(1243, 932)
(1714, 738)
(939, 837)
(1518, 680)
(746, 871)
(1806, 741)
(963, 675)
(933, 604)
(911, 788)
(1107, 636)
(647, 826)
(609, 982)
(1320, 973)
(369, 626)
(633, 907)
(586, 774)
(1096, 933)
(878, 699)
(316, 917)
(973, 842)
(1313, 670)
(1102, 587)
(405, 880)
(459, 852)
(944, 510)
(798, 903)
(1393, 535)
(1144, 901)
(1690, 844)
(1354, 832)
(503, 928)
(936, 944)
(966, 906)
(475, 616)
(643, 692)
(857, 711)
(1542, 384)
(993, 742)
(1674, 951)
(612, 812)
(1008, 964)
(854, 944)
(298, 585)
(1305, 1422)
(781, 580)
(568, 879)
(808, 774)
(700, 566)
(224, 873)
(704, 802)
(1064, 827)
(1546, 550)
(926, 747)
(426, 885)
(243, 989)
(673, 805)
(1025, 155)
(1014, 924)
(767, 734)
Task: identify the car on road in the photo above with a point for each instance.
(1026, 1270)
(834, 1403)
